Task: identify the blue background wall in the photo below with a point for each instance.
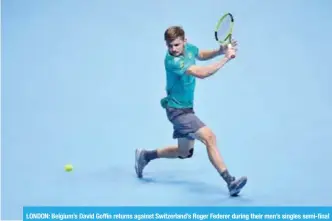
(81, 83)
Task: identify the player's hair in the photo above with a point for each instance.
(173, 33)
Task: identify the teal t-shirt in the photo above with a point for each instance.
(181, 86)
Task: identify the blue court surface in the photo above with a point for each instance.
(81, 84)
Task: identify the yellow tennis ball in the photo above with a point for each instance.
(68, 167)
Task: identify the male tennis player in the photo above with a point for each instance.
(182, 72)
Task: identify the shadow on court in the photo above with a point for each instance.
(205, 193)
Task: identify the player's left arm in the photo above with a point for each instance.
(207, 54)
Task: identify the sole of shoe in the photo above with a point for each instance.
(238, 188)
(137, 155)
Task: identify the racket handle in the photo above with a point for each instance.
(230, 47)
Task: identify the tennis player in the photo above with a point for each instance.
(182, 72)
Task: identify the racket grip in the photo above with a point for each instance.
(230, 47)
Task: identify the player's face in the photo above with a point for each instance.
(176, 47)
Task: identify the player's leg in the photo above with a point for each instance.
(183, 150)
(208, 138)
(181, 120)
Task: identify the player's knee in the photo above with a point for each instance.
(210, 139)
(207, 136)
(187, 155)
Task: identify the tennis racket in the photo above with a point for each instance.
(224, 30)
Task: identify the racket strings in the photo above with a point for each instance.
(224, 28)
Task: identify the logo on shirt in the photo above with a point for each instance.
(181, 64)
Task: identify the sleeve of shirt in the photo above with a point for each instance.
(194, 49)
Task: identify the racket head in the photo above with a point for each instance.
(224, 29)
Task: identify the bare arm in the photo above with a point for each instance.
(209, 54)
(206, 71)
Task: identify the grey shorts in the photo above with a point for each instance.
(185, 122)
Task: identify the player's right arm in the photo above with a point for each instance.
(208, 70)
